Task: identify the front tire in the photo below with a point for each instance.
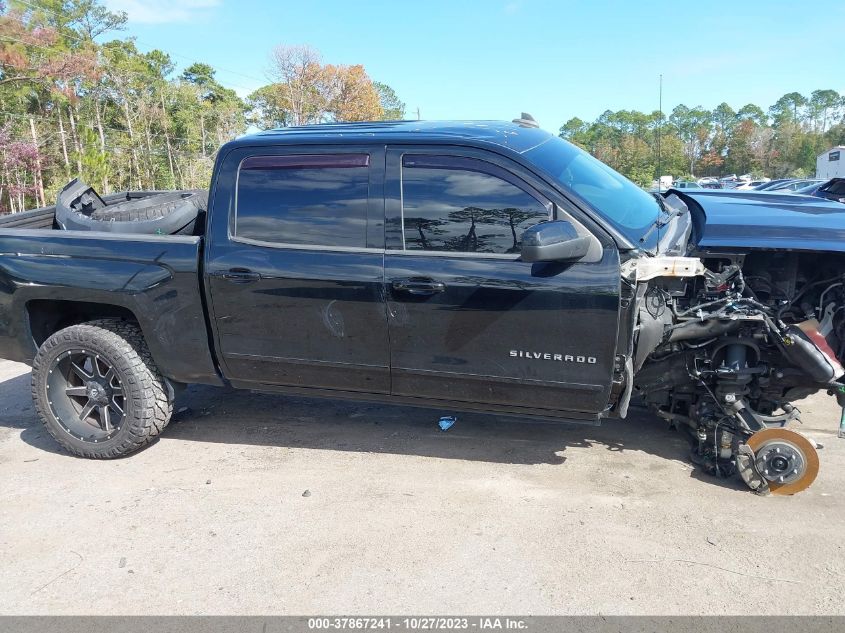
(98, 391)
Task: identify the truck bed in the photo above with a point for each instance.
(43, 217)
(50, 276)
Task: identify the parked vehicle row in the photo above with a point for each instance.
(745, 183)
(833, 189)
(772, 184)
(730, 182)
(790, 184)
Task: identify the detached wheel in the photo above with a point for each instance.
(98, 391)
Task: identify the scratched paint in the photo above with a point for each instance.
(333, 319)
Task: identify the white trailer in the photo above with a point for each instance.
(831, 164)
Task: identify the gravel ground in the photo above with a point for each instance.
(257, 504)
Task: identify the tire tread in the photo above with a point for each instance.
(152, 403)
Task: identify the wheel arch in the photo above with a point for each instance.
(42, 317)
(48, 316)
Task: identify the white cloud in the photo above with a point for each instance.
(161, 11)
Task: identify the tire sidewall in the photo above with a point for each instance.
(101, 342)
(150, 201)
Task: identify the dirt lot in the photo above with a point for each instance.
(493, 516)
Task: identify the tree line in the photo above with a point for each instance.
(781, 141)
(75, 100)
(78, 100)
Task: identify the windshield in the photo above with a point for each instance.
(630, 209)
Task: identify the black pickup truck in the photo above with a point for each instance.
(466, 266)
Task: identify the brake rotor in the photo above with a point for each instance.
(785, 459)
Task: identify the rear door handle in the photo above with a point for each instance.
(238, 275)
(419, 286)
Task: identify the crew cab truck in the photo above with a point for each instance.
(464, 266)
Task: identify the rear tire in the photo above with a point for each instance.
(98, 391)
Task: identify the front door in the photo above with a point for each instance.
(295, 285)
(469, 321)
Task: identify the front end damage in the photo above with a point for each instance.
(723, 344)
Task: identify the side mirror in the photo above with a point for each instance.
(554, 241)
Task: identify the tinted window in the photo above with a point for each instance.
(318, 200)
(457, 204)
(613, 195)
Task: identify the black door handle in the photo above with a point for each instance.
(238, 275)
(419, 286)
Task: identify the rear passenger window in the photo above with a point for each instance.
(464, 205)
(316, 200)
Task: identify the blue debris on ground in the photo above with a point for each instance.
(446, 422)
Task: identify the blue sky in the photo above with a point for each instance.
(466, 59)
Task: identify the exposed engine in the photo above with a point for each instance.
(725, 344)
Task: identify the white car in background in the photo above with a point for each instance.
(749, 185)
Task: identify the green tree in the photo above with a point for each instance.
(823, 106)
(788, 109)
(576, 131)
(695, 141)
(391, 104)
(753, 113)
(268, 108)
(724, 120)
(693, 126)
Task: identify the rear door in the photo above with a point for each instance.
(294, 277)
(468, 320)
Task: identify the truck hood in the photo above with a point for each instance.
(734, 219)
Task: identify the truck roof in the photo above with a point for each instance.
(511, 136)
